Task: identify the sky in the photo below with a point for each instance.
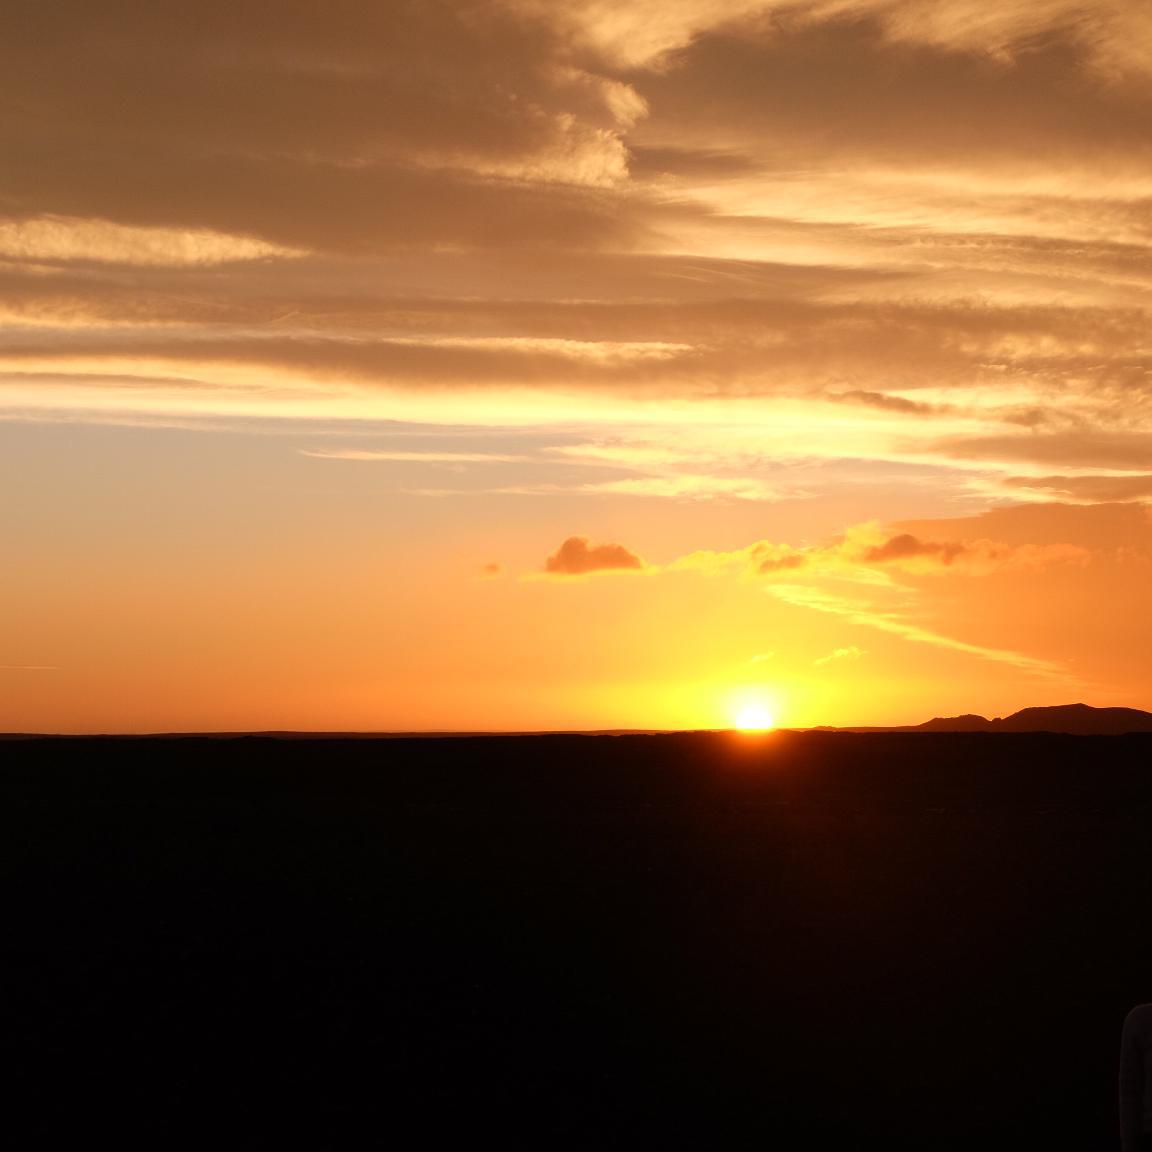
(552, 364)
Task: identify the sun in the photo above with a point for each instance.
(754, 718)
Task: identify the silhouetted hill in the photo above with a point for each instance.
(1070, 719)
(1077, 719)
(965, 723)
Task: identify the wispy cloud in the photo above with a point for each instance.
(63, 239)
(849, 653)
(869, 552)
(688, 487)
(430, 457)
(859, 612)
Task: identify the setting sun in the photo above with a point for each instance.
(754, 718)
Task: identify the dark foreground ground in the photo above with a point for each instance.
(809, 941)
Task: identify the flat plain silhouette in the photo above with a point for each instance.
(799, 941)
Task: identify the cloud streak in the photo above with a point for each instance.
(399, 457)
(869, 552)
(859, 612)
(849, 653)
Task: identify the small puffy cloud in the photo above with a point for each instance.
(491, 570)
(850, 653)
(781, 559)
(909, 547)
(576, 557)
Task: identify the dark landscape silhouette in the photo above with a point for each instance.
(1069, 719)
(820, 940)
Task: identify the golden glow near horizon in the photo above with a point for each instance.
(754, 718)
(524, 366)
(754, 706)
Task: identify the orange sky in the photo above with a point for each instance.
(518, 364)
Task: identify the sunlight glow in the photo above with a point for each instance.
(754, 718)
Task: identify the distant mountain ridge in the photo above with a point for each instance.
(1071, 719)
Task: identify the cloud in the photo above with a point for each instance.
(781, 559)
(902, 66)
(975, 557)
(849, 653)
(860, 612)
(1093, 450)
(576, 557)
(672, 162)
(761, 558)
(867, 553)
(1105, 31)
(1094, 529)
(381, 360)
(1012, 586)
(1086, 489)
(51, 239)
(907, 547)
(640, 33)
(688, 487)
(373, 126)
(409, 457)
(977, 381)
(883, 401)
(680, 223)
